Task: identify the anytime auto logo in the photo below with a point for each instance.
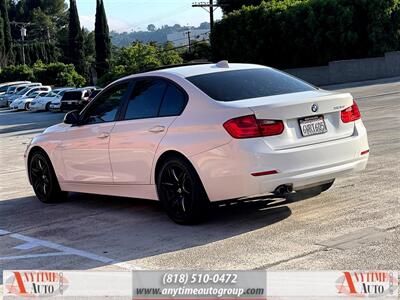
(368, 284)
(35, 284)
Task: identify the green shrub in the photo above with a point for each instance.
(298, 33)
(55, 74)
(16, 73)
(58, 74)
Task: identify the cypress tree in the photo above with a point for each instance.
(102, 40)
(75, 39)
(6, 33)
(2, 48)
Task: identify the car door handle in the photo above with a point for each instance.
(104, 135)
(157, 129)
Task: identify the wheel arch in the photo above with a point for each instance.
(32, 151)
(171, 154)
(167, 155)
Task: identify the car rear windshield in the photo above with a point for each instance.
(72, 96)
(247, 84)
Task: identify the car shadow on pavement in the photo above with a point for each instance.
(127, 229)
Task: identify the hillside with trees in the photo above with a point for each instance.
(57, 50)
(153, 34)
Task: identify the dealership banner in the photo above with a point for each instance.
(199, 285)
(153, 285)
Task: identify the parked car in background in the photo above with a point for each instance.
(11, 90)
(5, 85)
(55, 105)
(24, 102)
(20, 91)
(75, 99)
(94, 94)
(44, 102)
(91, 89)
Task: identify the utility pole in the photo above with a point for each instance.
(23, 35)
(210, 7)
(22, 26)
(189, 40)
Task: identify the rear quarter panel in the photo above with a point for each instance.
(200, 127)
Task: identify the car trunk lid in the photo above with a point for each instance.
(312, 107)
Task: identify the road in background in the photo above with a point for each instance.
(355, 225)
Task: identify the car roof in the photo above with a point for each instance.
(75, 91)
(198, 69)
(12, 83)
(64, 89)
(39, 87)
(19, 85)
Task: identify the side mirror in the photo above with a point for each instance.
(72, 117)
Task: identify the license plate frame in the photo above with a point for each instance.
(312, 130)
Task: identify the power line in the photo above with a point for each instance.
(155, 53)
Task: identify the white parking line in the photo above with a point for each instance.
(31, 243)
(32, 256)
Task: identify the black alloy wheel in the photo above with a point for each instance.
(44, 180)
(181, 192)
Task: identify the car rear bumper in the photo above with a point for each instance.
(226, 171)
(53, 107)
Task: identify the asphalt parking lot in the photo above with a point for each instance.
(355, 225)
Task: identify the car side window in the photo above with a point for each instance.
(146, 99)
(173, 103)
(105, 108)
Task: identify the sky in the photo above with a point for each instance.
(135, 15)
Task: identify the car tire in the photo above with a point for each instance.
(47, 108)
(44, 180)
(181, 192)
(27, 106)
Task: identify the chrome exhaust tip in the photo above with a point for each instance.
(283, 190)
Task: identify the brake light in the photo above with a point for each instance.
(251, 127)
(364, 152)
(271, 172)
(351, 114)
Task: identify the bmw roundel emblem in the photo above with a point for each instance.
(314, 108)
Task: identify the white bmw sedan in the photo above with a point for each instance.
(192, 135)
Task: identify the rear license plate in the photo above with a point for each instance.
(313, 126)
(69, 102)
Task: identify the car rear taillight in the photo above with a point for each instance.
(351, 114)
(251, 127)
